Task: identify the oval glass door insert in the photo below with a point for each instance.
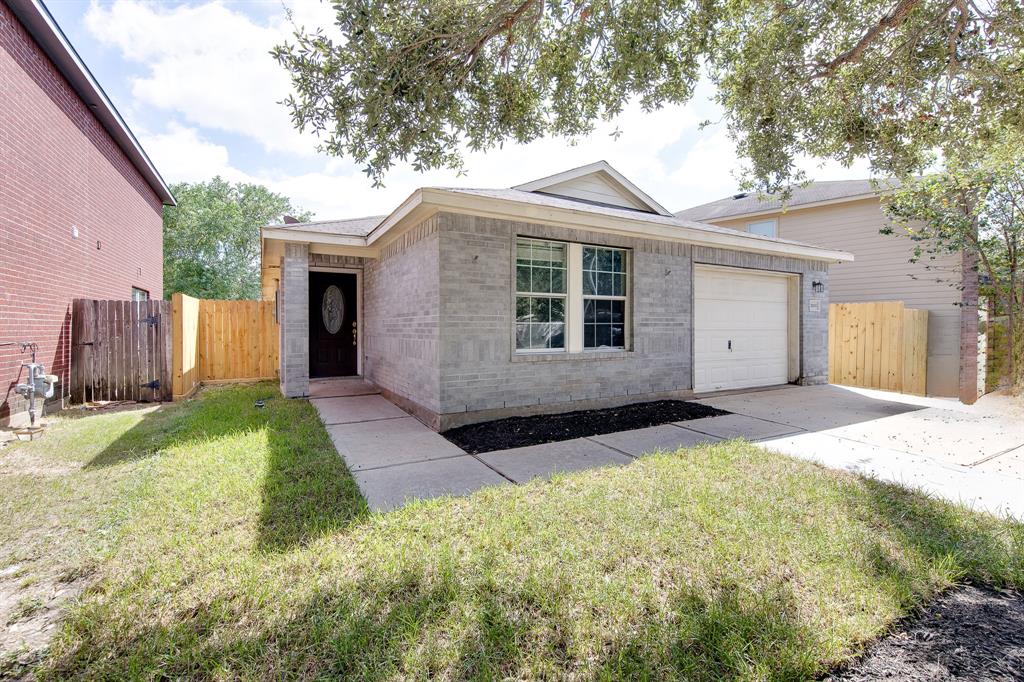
(333, 309)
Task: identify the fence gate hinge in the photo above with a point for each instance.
(155, 383)
(151, 320)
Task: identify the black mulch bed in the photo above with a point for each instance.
(517, 432)
(970, 633)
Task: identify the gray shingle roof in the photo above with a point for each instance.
(741, 204)
(355, 227)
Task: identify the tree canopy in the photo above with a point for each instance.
(212, 237)
(890, 80)
(975, 207)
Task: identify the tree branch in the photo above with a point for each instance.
(891, 20)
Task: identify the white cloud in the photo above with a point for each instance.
(208, 64)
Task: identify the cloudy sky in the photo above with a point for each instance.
(197, 85)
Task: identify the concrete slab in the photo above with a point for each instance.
(738, 426)
(1007, 464)
(391, 487)
(666, 437)
(359, 408)
(541, 461)
(374, 444)
(953, 436)
(981, 490)
(333, 388)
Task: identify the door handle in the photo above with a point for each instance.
(355, 334)
(730, 344)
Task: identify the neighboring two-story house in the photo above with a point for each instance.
(847, 215)
(80, 202)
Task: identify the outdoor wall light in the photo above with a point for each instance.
(818, 287)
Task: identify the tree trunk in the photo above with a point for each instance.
(969, 327)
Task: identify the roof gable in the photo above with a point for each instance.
(596, 183)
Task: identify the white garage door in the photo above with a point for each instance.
(741, 329)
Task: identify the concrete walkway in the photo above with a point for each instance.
(972, 454)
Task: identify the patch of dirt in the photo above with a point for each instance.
(970, 633)
(30, 610)
(22, 462)
(517, 432)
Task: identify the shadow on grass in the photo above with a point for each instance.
(982, 548)
(306, 490)
(509, 633)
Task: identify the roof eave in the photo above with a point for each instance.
(37, 19)
(792, 207)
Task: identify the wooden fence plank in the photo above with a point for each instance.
(878, 345)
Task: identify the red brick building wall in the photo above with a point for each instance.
(60, 171)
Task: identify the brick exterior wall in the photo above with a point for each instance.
(401, 309)
(481, 376)
(60, 169)
(437, 332)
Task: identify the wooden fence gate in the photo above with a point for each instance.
(120, 350)
(878, 345)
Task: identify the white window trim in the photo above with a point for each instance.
(574, 300)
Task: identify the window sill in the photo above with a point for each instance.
(562, 356)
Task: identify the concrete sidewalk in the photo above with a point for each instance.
(971, 455)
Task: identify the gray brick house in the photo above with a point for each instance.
(569, 292)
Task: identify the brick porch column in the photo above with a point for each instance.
(294, 312)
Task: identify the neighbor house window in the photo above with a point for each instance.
(540, 295)
(139, 294)
(570, 296)
(604, 297)
(765, 228)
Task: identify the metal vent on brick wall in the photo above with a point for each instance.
(333, 309)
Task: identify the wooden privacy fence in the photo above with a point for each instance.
(222, 341)
(878, 345)
(120, 350)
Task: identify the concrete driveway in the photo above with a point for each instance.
(971, 454)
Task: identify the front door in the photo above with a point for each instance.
(333, 335)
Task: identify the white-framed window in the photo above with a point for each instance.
(570, 296)
(765, 228)
(540, 295)
(604, 297)
(139, 294)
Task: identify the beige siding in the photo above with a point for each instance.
(881, 272)
(595, 187)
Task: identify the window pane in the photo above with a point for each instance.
(618, 335)
(522, 309)
(523, 278)
(618, 312)
(604, 284)
(522, 336)
(588, 258)
(589, 334)
(589, 283)
(604, 260)
(541, 310)
(523, 252)
(617, 264)
(542, 280)
(604, 335)
(557, 335)
(558, 281)
(590, 311)
(765, 228)
(557, 310)
(539, 334)
(619, 285)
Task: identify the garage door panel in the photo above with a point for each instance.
(750, 309)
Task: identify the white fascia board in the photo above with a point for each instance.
(454, 202)
(311, 237)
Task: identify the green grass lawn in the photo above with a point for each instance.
(225, 541)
